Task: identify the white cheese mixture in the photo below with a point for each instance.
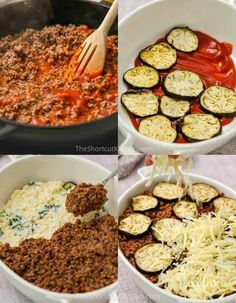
(37, 210)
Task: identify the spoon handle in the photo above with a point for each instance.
(110, 176)
(110, 17)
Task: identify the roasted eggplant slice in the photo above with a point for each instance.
(142, 77)
(185, 210)
(168, 191)
(166, 230)
(158, 128)
(200, 127)
(203, 193)
(153, 258)
(135, 225)
(144, 202)
(183, 84)
(219, 101)
(225, 207)
(160, 56)
(183, 39)
(141, 103)
(174, 109)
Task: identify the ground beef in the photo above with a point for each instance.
(164, 210)
(33, 89)
(79, 257)
(85, 198)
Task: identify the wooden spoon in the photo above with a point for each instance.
(90, 57)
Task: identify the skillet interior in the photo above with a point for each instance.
(19, 15)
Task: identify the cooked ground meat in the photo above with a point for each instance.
(130, 246)
(85, 198)
(78, 258)
(33, 89)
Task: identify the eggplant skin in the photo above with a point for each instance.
(179, 74)
(220, 96)
(158, 128)
(169, 57)
(203, 193)
(185, 123)
(140, 92)
(170, 102)
(183, 29)
(142, 69)
(123, 228)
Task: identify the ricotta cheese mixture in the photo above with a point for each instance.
(37, 210)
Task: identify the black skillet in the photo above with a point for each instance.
(98, 137)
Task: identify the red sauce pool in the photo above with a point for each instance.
(212, 61)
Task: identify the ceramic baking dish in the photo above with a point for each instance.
(154, 292)
(153, 20)
(45, 168)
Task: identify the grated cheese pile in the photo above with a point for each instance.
(206, 250)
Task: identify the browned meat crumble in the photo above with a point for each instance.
(85, 198)
(78, 258)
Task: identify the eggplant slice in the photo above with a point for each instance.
(158, 128)
(153, 258)
(142, 77)
(174, 109)
(165, 230)
(203, 193)
(200, 127)
(225, 207)
(144, 202)
(183, 84)
(183, 39)
(219, 101)
(160, 56)
(141, 103)
(135, 225)
(185, 210)
(168, 191)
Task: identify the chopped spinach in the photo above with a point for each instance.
(31, 183)
(47, 207)
(3, 214)
(1, 232)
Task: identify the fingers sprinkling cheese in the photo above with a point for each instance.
(135, 225)
(153, 258)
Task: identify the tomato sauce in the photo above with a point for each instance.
(214, 64)
(33, 89)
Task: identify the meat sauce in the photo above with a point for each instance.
(129, 246)
(33, 89)
(212, 61)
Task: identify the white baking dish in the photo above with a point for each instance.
(154, 292)
(142, 27)
(45, 168)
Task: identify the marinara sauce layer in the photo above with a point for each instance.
(212, 62)
(33, 89)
